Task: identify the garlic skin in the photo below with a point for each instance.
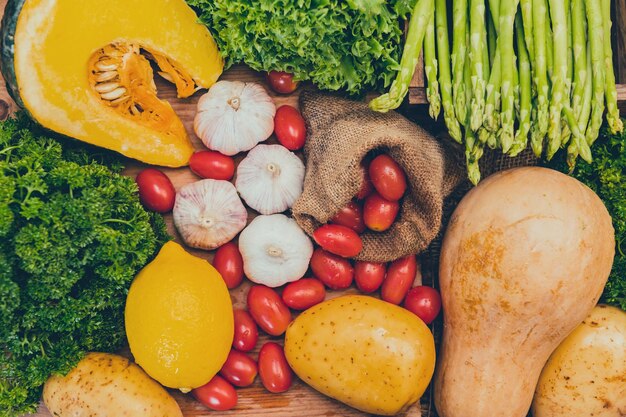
(275, 250)
(234, 117)
(270, 179)
(209, 213)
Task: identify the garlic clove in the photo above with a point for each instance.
(234, 116)
(270, 179)
(209, 213)
(275, 250)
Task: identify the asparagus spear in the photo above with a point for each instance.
(477, 59)
(579, 52)
(526, 6)
(459, 52)
(521, 136)
(445, 83)
(615, 123)
(422, 13)
(595, 30)
(579, 143)
(566, 133)
(549, 46)
(559, 74)
(540, 71)
(585, 108)
(491, 38)
(473, 147)
(508, 8)
(431, 67)
(491, 120)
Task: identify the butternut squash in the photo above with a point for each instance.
(524, 260)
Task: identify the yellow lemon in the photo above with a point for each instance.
(179, 319)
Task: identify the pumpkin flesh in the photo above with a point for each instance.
(58, 43)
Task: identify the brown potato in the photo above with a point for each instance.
(105, 385)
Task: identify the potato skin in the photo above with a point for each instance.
(369, 354)
(586, 374)
(105, 385)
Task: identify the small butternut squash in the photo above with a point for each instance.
(524, 260)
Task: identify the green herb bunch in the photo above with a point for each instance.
(73, 234)
(606, 175)
(351, 45)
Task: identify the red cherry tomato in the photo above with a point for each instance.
(424, 302)
(304, 293)
(339, 240)
(350, 216)
(366, 185)
(212, 165)
(281, 82)
(275, 373)
(334, 271)
(246, 331)
(229, 264)
(378, 213)
(217, 394)
(156, 191)
(290, 127)
(239, 369)
(369, 276)
(268, 310)
(400, 277)
(388, 178)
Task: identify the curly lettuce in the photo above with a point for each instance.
(350, 45)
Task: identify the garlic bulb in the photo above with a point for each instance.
(275, 250)
(234, 116)
(209, 213)
(270, 179)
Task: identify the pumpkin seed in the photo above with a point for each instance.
(106, 87)
(112, 95)
(103, 67)
(106, 76)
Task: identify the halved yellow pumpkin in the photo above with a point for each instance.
(81, 68)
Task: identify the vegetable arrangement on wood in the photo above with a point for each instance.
(535, 73)
(525, 256)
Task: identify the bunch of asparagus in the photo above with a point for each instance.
(520, 72)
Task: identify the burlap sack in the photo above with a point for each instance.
(340, 134)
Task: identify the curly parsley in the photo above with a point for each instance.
(73, 234)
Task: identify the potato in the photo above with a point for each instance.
(369, 354)
(586, 374)
(104, 385)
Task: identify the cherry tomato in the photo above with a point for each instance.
(350, 216)
(268, 310)
(281, 82)
(369, 276)
(217, 394)
(246, 331)
(400, 277)
(304, 293)
(378, 213)
(275, 373)
(424, 302)
(366, 185)
(388, 178)
(229, 264)
(339, 240)
(290, 127)
(334, 271)
(156, 191)
(212, 165)
(239, 369)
